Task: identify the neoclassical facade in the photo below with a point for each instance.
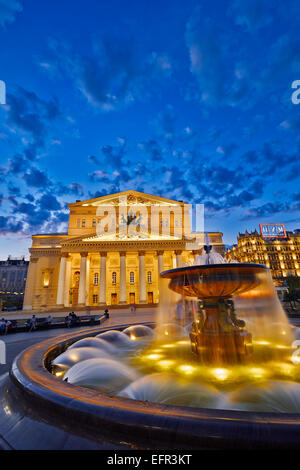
(113, 252)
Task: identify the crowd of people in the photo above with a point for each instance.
(71, 320)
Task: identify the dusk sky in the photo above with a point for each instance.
(189, 100)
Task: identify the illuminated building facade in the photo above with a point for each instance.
(281, 255)
(13, 274)
(113, 252)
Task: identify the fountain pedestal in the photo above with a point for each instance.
(217, 335)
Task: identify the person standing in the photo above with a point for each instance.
(32, 323)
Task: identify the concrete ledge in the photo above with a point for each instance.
(93, 420)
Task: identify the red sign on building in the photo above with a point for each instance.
(272, 230)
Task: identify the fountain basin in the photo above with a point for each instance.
(215, 281)
(40, 411)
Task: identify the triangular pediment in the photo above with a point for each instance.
(127, 197)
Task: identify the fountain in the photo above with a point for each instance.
(218, 376)
(218, 336)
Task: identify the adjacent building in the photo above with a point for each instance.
(281, 255)
(13, 275)
(112, 253)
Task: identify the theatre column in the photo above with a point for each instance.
(67, 282)
(82, 280)
(160, 259)
(142, 278)
(61, 281)
(178, 258)
(122, 277)
(102, 287)
(30, 284)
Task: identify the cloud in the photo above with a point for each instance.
(49, 202)
(113, 74)
(8, 11)
(36, 178)
(9, 225)
(252, 14)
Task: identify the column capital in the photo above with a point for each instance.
(122, 253)
(64, 255)
(160, 252)
(142, 253)
(34, 260)
(84, 254)
(103, 253)
(178, 252)
(196, 252)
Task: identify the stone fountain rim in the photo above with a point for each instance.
(212, 427)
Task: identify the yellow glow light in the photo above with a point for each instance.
(183, 341)
(221, 374)
(186, 369)
(132, 337)
(261, 342)
(257, 372)
(58, 374)
(153, 356)
(166, 364)
(169, 346)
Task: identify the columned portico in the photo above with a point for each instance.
(142, 277)
(67, 282)
(82, 280)
(178, 258)
(160, 261)
(30, 283)
(85, 267)
(102, 287)
(123, 299)
(61, 281)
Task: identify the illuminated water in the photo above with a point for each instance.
(158, 365)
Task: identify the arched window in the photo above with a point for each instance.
(114, 277)
(96, 279)
(131, 277)
(149, 277)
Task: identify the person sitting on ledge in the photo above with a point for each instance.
(4, 326)
(68, 320)
(106, 313)
(74, 319)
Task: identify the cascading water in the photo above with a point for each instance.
(238, 302)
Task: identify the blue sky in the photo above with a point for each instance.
(190, 100)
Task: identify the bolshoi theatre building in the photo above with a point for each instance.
(112, 253)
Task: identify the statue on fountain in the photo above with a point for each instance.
(217, 336)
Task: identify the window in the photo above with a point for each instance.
(149, 277)
(96, 279)
(94, 223)
(83, 223)
(114, 278)
(131, 276)
(95, 299)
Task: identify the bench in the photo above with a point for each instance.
(56, 322)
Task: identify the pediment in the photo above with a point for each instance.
(131, 198)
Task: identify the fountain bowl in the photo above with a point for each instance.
(215, 281)
(40, 411)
